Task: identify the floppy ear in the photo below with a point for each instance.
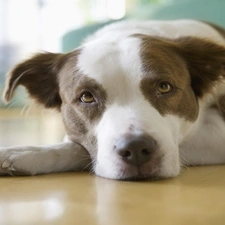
(39, 76)
(205, 61)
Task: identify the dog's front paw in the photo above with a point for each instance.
(7, 168)
(9, 164)
(33, 160)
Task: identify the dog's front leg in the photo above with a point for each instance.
(31, 160)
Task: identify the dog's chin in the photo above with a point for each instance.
(136, 177)
(143, 173)
(131, 173)
(141, 177)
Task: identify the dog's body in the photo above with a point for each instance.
(138, 100)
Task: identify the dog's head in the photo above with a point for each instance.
(129, 102)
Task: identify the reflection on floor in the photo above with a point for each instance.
(196, 197)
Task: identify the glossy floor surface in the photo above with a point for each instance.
(197, 196)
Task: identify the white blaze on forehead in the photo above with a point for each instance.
(111, 61)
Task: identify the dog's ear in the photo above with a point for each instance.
(39, 76)
(205, 61)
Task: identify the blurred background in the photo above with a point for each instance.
(28, 26)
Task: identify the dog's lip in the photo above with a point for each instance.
(141, 177)
(143, 173)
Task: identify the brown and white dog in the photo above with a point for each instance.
(139, 99)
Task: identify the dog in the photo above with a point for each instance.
(139, 100)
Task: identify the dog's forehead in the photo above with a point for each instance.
(107, 61)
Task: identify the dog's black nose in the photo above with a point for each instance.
(136, 150)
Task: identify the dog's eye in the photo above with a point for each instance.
(164, 87)
(87, 97)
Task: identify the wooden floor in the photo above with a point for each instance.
(196, 197)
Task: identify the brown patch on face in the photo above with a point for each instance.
(220, 106)
(191, 65)
(160, 64)
(74, 122)
(79, 117)
(71, 88)
(204, 59)
(78, 128)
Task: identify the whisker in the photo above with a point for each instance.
(79, 153)
(185, 163)
(94, 162)
(11, 104)
(87, 166)
(77, 162)
(23, 110)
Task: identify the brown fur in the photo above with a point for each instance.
(74, 85)
(205, 61)
(221, 102)
(79, 117)
(222, 106)
(160, 64)
(188, 64)
(39, 76)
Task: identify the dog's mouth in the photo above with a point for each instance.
(143, 173)
(130, 173)
(141, 177)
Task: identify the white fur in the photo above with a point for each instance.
(205, 144)
(170, 29)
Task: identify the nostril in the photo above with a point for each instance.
(145, 152)
(124, 153)
(127, 153)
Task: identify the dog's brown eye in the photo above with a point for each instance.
(164, 87)
(87, 97)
